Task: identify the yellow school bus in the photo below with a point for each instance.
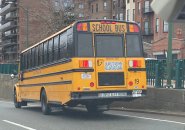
(92, 62)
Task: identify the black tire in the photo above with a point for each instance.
(46, 110)
(16, 103)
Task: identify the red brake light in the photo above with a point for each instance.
(135, 64)
(85, 64)
(92, 84)
(130, 83)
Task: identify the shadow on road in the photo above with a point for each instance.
(76, 113)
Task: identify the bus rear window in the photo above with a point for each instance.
(109, 46)
(85, 47)
(134, 47)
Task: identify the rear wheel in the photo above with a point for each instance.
(16, 103)
(45, 106)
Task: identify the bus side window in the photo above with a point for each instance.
(33, 57)
(22, 62)
(36, 56)
(45, 52)
(26, 56)
(63, 45)
(50, 50)
(40, 54)
(29, 59)
(56, 48)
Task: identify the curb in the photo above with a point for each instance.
(170, 113)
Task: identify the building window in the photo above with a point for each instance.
(81, 15)
(56, 3)
(121, 16)
(133, 15)
(165, 26)
(139, 7)
(105, 5)
(147, 6)
(119, 3)
(114, 5)
(96, 7)
(92, 8)
(104, 17)
(127, 14)
(128, 1)
(157, 25)
(81, 6)
(146, 27)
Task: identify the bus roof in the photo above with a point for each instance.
(71, 25)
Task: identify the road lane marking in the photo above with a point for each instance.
(13, 123)
(154, 119)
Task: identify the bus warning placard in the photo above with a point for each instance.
(98, 27)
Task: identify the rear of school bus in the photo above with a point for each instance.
(109, 57)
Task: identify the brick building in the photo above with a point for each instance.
(100, 9)
(160, 44)
(144, 16)
(81, 9)
(155, 31)
(21, 19)
(118, 9)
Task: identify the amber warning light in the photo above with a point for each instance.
(133, 28)
(82, 27)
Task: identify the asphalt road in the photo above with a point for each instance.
(31, 118)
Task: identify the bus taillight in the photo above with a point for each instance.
(85, 64)
(82, 27)
(134, 63)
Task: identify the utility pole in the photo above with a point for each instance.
(169, 55)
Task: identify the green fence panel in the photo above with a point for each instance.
(157, 73)
(8, 68)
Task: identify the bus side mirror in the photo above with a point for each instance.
(12, 76)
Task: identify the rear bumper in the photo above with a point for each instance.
(107, 95)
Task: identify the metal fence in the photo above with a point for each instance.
(157, 73)
(8, 68)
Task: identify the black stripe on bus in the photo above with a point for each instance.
(60, 72)
(137, 69)
(62, 61)
(44, 84)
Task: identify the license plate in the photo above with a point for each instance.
(113, 66)
(112, 94)
(136, 93)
